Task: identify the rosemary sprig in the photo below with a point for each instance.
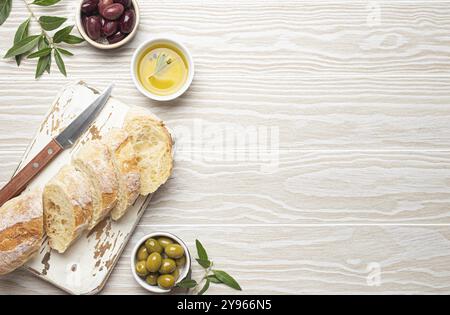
(211, 275)
(161, 64)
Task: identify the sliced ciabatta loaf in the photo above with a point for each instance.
(153, 145)
(21, 230)
(95, 162)
(67, 207)
(125, 163)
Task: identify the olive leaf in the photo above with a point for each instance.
(60, 63)
(45, 3)
(21, 33)
(62, 33)
(25, 44)
(72, 39)
(64, 52)
(50, 23)
(22, 46)
(204, 263)
(43, 65)
(213, 279)
(217, 276)
(43, 43)
(49, 63)
(5, 10)
(40, 53)
(225, 278)
(187, 284)
(201, 251)
(205, 287)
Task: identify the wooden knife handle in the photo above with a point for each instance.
(19, 182)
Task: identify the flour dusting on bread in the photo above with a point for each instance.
(68, 207)
(104, 179)
(21, 230)
(153, 145)
(126, 166)
(95, 162)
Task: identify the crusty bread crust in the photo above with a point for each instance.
(153, 145)
(104, 176)
(21, 230)
(126, 166)
(95, 162)
(69, 191)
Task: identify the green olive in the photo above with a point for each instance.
(153, 246)
(174, 250)
(153, 262)
(141, 270)
(142, 253)
(152, 279)
(176, 274)
(181, 261)
(164, 241)
(167, 266)
(166, 281)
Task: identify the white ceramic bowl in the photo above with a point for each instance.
(107, 46)
(183, 273)
(152, 42)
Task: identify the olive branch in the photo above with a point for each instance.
(211, 275)
(25, 44)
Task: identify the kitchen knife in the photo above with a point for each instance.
(61, 142)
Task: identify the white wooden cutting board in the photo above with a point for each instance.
(87, 264)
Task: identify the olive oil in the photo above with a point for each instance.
(162, 69)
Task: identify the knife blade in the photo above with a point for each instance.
(61, 142)
(69, 135)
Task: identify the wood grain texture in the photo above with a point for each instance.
(330, 187)
(358, 93)
(286, 37)
(317, 260)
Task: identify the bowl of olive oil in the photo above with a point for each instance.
(162, 69)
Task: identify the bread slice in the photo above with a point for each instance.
(94, 161)
(67, 207)
(125, 163)
(21, 230)
(153, 145)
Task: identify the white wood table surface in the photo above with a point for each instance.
(348, 188)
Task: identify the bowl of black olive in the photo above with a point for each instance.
(108, 24)
(159, 261)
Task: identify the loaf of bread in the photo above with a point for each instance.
(95, 162)
(125, 163)
(153, 146)
(67, 207)
(21, 230)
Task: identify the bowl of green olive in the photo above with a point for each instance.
(159, 261)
